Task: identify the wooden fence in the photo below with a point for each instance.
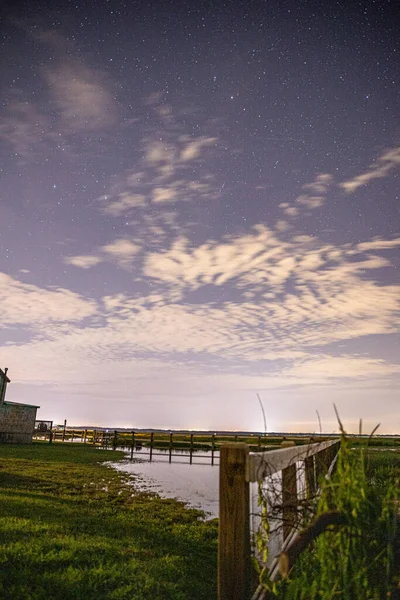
(238, 469)
(171, 444)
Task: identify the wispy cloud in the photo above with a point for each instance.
(378, 244)
(23, 127)
(77, 96)
(32, 305)
(123, 203)
(386, 162)
(121, 250)
(82, 96)
(173, 169)
(85, 261)
(314, 196)
(289, 301)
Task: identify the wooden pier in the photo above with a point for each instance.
(156, 444)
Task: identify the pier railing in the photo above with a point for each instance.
(295, 472)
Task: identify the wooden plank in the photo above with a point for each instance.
(310, 477)
(262, 464)
(234, 524)
(289, 499)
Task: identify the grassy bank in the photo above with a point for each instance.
(71, 527)
(360, 559)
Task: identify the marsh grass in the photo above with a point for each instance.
(72, 527)
(355, 561)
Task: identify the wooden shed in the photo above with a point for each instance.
(17, 420)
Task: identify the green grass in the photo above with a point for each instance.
(72, 527)
(356, 561)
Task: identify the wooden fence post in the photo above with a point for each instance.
(191, 449)
(132, 444)
(115, 439)
(321, 464)
(289, 499)
(212, 448)
(170, 447)
(310, 477)
(85, 436)
(234, 524)
(151, 445)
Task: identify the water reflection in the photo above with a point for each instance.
(195, 484)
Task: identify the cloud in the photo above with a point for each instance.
(378, 244)
(193, 149)
(385, 163)
(83, 98)
(122, 250)
(289, 211)
(23, 127)
(123, 203)
(330, 299)
(313, 197)
(32, 305)
(164, 194)
(323, 368)
(173, 169)
(78, 97)
(83, 261)
(289, 301)
(320, 185)
(315, 192)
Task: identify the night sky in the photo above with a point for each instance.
(199, 203)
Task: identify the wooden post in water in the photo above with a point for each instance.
(132, 444)
(115, 438)
(65, 426)
(234, 524)
(212, 448)
(170, 446)
(151, 445)
(289, 499)
(191, 449)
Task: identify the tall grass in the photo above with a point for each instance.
(356, 560)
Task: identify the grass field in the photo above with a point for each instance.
(71, 527)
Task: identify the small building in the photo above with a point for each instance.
(17, 420)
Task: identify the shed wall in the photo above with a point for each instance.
(17, 422)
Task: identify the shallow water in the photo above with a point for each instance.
(195, 484)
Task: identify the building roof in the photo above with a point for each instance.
(22, 404)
